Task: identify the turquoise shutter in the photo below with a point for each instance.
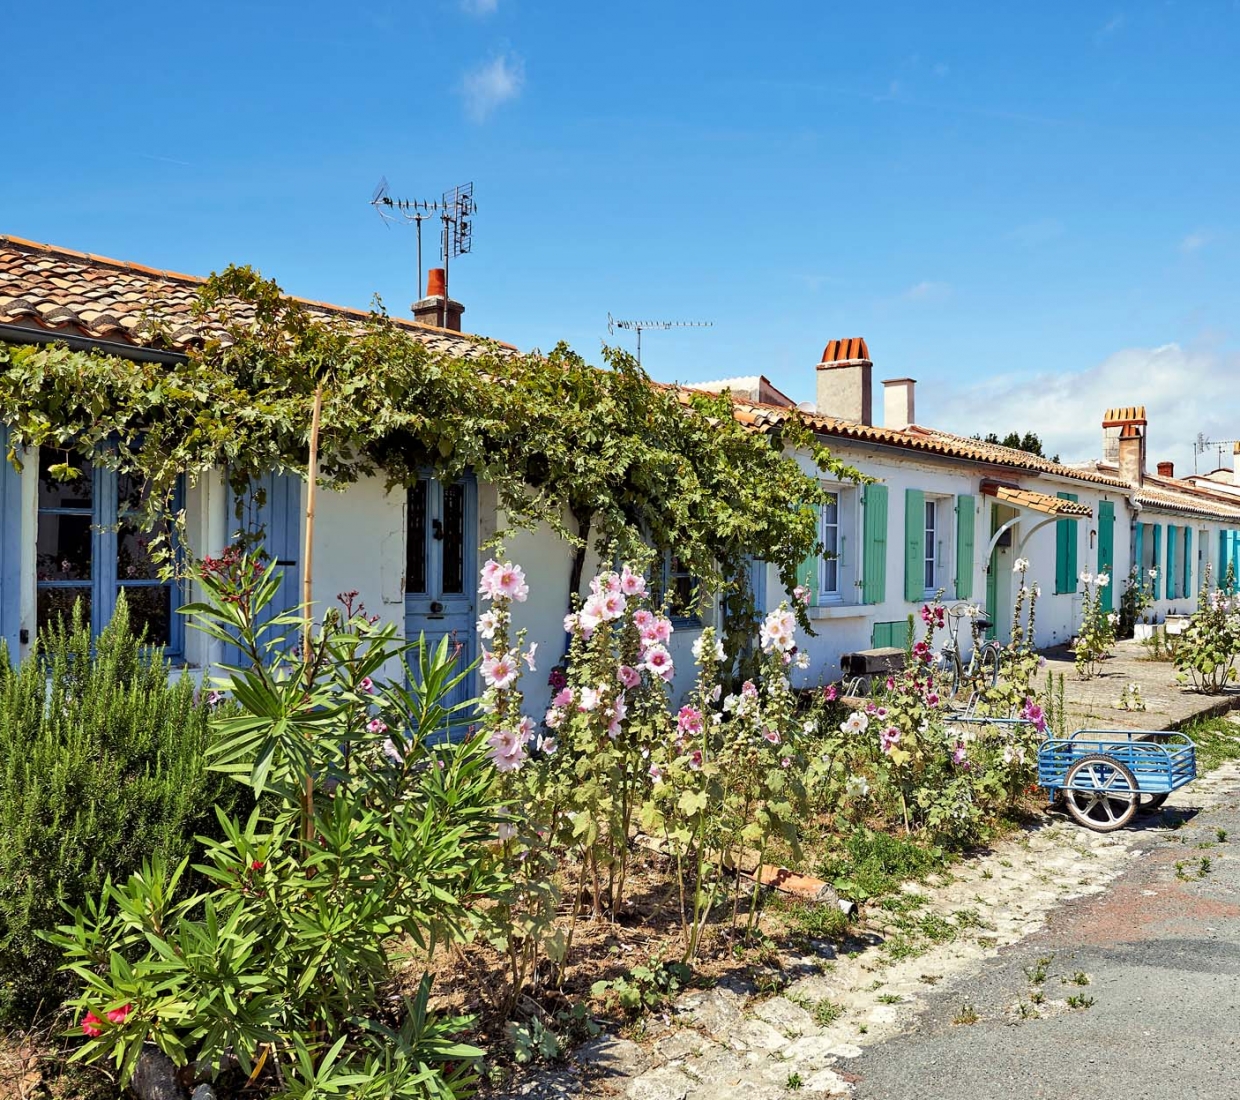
(808, 574)
(1186, 584)
(1065, 551)
(10, 549)
(914, 544)
(1224, 557)
(1138, 553)
(890, 634)
(964, 547)
(1158, 580)
(1173, 584)
(1106, 550)
(874, 544)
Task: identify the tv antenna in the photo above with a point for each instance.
(1202, 444)
(455, 209)
(637, 326)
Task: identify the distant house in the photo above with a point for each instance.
(943, 514)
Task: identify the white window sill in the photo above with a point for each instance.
(840, 611)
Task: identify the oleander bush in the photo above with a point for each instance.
(101, 766)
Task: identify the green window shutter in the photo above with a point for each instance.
(964, 547)
(1186, 584)
(881, 635)
(914, 545)
(890, 634)
(1138, 553)
(1065, 551)
(874, 544)
(1156, 530)
(1106, 550)
(1173, 590)
(811, 568)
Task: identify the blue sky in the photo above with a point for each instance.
(1032, 209)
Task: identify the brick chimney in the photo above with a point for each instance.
(1166, 469)
(898, 407)
(845, 386)
(1131, 455)
(431, 309)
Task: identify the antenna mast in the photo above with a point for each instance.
(1202, 444)
(456, 210)
(637, 326)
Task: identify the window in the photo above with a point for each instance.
(680, 587)
(932, 545)
(831, 546)
(89, 549)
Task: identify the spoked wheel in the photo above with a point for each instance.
(957, 678)
(990, 665)
(1108, 794)
(1152, 802)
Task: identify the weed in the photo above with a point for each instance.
(968, 918)
(988, 874)
(966, 1015)
(1080, 1000)
(1027, 1011)
(645, 987)
(827, 1012)
(794, 1081)
(1222, 835)
(931, 979)
(878, 984)
(1037, 997)
(1205, 867)
(902, 902)
(872, 864)
(824, 922)
(1037, 973)
(937, 929)
(890, 998)
(862, 1028)
(1079, 978)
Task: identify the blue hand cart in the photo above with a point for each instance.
(1105, 776)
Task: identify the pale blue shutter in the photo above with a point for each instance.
(10, 549)
(1186, 586)
(1173, 583)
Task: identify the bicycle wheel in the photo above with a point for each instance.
(991, 660)
(957, 676)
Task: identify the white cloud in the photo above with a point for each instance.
(1194, 241)
(479, 7)
(1184, 392)
(1035, 233)
(928, 291)
(491, 84)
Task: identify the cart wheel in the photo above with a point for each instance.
(1109, 795)
(1152, 802)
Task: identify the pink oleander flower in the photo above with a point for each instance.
(376, 725)
(689, 720)
(563, 698)
(92, 1026)
(367, 685)
(528, 656)
(643, 618)
(119, 1015)
(628, 676)
(632, 584)
(659, 662)
(499, 670)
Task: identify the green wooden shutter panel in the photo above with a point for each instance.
(1158, 565)
(1065, 551)
(1106, 550)
(874, 548)
(1138, 553)
(811, 567)
(964, 547)
(1186, 585)
(890, 634)
(914, 544)
(1172, 580)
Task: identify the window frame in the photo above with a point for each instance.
(832, 558)
(939, 552)
(666, 578)
(104, 582)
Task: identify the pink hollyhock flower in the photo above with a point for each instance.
(772, 736)
(392, 752)
(642, 618)
(563, 698)
(589, 699)
(959, 756)
(571, 623)
(628, 676)
(499, 671)
(933, 698)
(716, 691)
(632, 584)
(749, 690)
(367, 685)
(656, 773)
(889, 738)
(891, 683)
(553, 718)
(525, 728)
(659, 662)
(620, 708)
(695, 760)
(831, 693)
(612, 605)
(663, 629)
(376, 725)
(613, 728)
(507, 750)
(801, 594)
(528, 656)
(487, 577)
(487, 622)
(92, 1026)
(786, 761)
(547, 744)
(689, 720)
(506, 830)
(119, 1015)
(505, 581)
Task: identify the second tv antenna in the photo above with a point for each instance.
(637, 326)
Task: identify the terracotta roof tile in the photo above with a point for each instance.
(1038, 502)
(63, 290)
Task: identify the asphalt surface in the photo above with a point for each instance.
(1158, 1020)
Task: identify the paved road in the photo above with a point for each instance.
(1161, 951)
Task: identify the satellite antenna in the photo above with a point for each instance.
(456, 209)
(637, 326)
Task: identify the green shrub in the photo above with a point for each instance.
(101, 764)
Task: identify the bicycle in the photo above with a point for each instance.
(982, 668)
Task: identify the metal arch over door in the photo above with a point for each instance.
(441, 567)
